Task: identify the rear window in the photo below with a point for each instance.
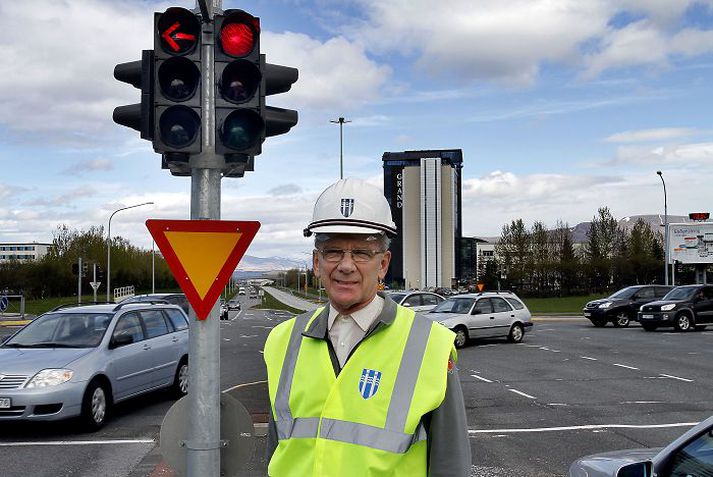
(177, 318)
(515, 303)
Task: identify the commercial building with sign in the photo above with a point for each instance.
(424, 191)
(691, 243)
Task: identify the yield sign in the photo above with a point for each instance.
(202, 254)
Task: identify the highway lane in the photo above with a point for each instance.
(569, 389)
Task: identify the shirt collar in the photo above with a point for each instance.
(363, 317)
(318, 327)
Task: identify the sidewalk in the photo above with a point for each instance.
(15, 319)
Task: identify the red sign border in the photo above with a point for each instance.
(158, 229)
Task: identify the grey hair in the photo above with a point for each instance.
(383, 240)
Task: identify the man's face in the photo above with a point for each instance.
(350, 284)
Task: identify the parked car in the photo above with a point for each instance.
(621, 307)
(81, 360)
(685, 307)
(689, 455)
(483, 315)
(419, 301)
(172, 298)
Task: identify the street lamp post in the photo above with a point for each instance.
(341, 122)
(108, 247)
(665, 219)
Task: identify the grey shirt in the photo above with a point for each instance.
(446, 426)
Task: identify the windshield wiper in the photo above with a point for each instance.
(44, 344)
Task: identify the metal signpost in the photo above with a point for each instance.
(203, 90)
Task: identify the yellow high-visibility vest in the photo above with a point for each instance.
(368, 420)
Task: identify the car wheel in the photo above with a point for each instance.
(517, 332)
(621, 319)
(180, 382)
(599, 323)
(648, 327)
(461, 336)
(95, 406)
(683, 322)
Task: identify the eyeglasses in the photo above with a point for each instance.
(335, 255)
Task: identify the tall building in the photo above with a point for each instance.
(424, 191)
(24, 251)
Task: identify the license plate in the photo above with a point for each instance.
(586, 313)
(5, 403)
(647, 317)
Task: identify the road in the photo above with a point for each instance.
(568, 390)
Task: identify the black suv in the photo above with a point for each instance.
(621, 307)
(684, 307)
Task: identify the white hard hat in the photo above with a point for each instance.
(351, 206)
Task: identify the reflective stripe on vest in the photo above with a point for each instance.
(391, 438)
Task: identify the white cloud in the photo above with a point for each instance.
(660, 134)
(685, 156)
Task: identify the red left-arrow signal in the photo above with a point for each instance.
(170, 37)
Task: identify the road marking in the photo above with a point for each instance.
(625, 366)
(585, 427)
(248, 336)
(641, 402)
(676, 377)
(589, 358)
(481, 378)
(238, 386)
(522, 393)
(77, 443)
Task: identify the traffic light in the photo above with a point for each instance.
(278, 79)
(75, 269)
(177, 107)
(140, 74)
(100, 273)
(240, 128)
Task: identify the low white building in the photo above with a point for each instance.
(26, 251)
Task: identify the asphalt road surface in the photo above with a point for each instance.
(568, 390)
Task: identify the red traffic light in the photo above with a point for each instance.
(178, 29)
(699, 215)
(239, 34)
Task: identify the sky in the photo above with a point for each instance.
(559, 106)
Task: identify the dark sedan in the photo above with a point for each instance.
(621, 307)
(685, 307)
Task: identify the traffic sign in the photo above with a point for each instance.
(202, 254)
(95, 285)
(3, 303)
(480, 286)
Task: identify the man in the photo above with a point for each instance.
(362, 387)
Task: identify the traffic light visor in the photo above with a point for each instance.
(242, 129)
(239, 33)
(179, 30)
(178, 78)
(179, 126)
(239, 81)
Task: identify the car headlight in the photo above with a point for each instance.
(50, 377)
(605, 305)
(668, 307)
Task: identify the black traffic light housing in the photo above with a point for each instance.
(177, 83)
(278, 79)
(140, 74)
(240, 127)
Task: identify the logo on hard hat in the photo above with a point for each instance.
(347, 207)
(369, 382)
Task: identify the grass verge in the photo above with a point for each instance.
(269, 302)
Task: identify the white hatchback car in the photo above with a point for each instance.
(483, 315)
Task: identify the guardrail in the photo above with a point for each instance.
(9, 305)
(122, 293)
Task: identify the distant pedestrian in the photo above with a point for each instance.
(362, 387)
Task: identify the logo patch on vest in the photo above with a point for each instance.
(369, 382)
(347, 207)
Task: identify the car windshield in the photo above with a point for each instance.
(62, 330)
(454, 305)
(681, 293)
(397, 297)
(624, 293)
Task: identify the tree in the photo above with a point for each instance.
(605, 240)
(513, 250)
(566, 264)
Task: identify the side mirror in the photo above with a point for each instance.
(120, 340)
(639, 469)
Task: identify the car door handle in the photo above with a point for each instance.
(492, 317)
(147, 347)
(175, 339)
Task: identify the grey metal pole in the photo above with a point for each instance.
(341, 122)
(153, 266)
(79, 282)
(94, 279)
(203, 440)
(665, 215)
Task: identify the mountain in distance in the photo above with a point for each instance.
(257, 267)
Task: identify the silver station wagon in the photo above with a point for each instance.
(80, 360)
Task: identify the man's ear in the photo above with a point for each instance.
(384, 264)
(315, 263)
